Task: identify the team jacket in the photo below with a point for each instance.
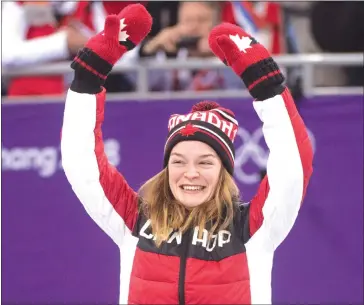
(234, 266)
(34, 36)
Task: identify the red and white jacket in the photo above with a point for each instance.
(33, 36)
(235, 266)
(262, 19)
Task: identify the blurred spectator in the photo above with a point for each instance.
(187, 38)
(164, 14)
(266, 20)
(39, 32)
(195, 20)
(342, 34)
(34, 35)
(314, 21)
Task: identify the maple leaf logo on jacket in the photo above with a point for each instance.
(242, 43)
(188, 130)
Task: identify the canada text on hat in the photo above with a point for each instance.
(219, 117)
(207, 122)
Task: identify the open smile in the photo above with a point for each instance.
(192, 188)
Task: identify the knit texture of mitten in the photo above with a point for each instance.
(250, 60)
(121, 33)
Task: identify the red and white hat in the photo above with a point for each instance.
(207, 122)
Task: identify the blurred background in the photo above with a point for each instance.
(52, 251)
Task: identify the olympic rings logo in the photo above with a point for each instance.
(252, 148)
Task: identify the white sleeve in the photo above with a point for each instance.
(274, 209)
(103, 191)
(17, 51)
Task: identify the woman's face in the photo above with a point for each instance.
(194, 169)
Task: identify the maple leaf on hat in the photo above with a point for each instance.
(188, 130)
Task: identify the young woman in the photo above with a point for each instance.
(184, 237)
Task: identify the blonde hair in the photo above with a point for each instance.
(167, 214)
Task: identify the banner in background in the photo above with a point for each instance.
(52, 252)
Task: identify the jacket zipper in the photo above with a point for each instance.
(182, 270)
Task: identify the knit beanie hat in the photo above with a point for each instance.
(209, 123)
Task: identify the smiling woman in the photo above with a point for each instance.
(194, 169)
(197, 190)
(185, 238)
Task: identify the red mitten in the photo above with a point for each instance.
(121, 33)
(248, 58)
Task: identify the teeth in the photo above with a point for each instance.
(192, 187)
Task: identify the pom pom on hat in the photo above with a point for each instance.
(204, 106)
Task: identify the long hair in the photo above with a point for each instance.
(167, 214)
